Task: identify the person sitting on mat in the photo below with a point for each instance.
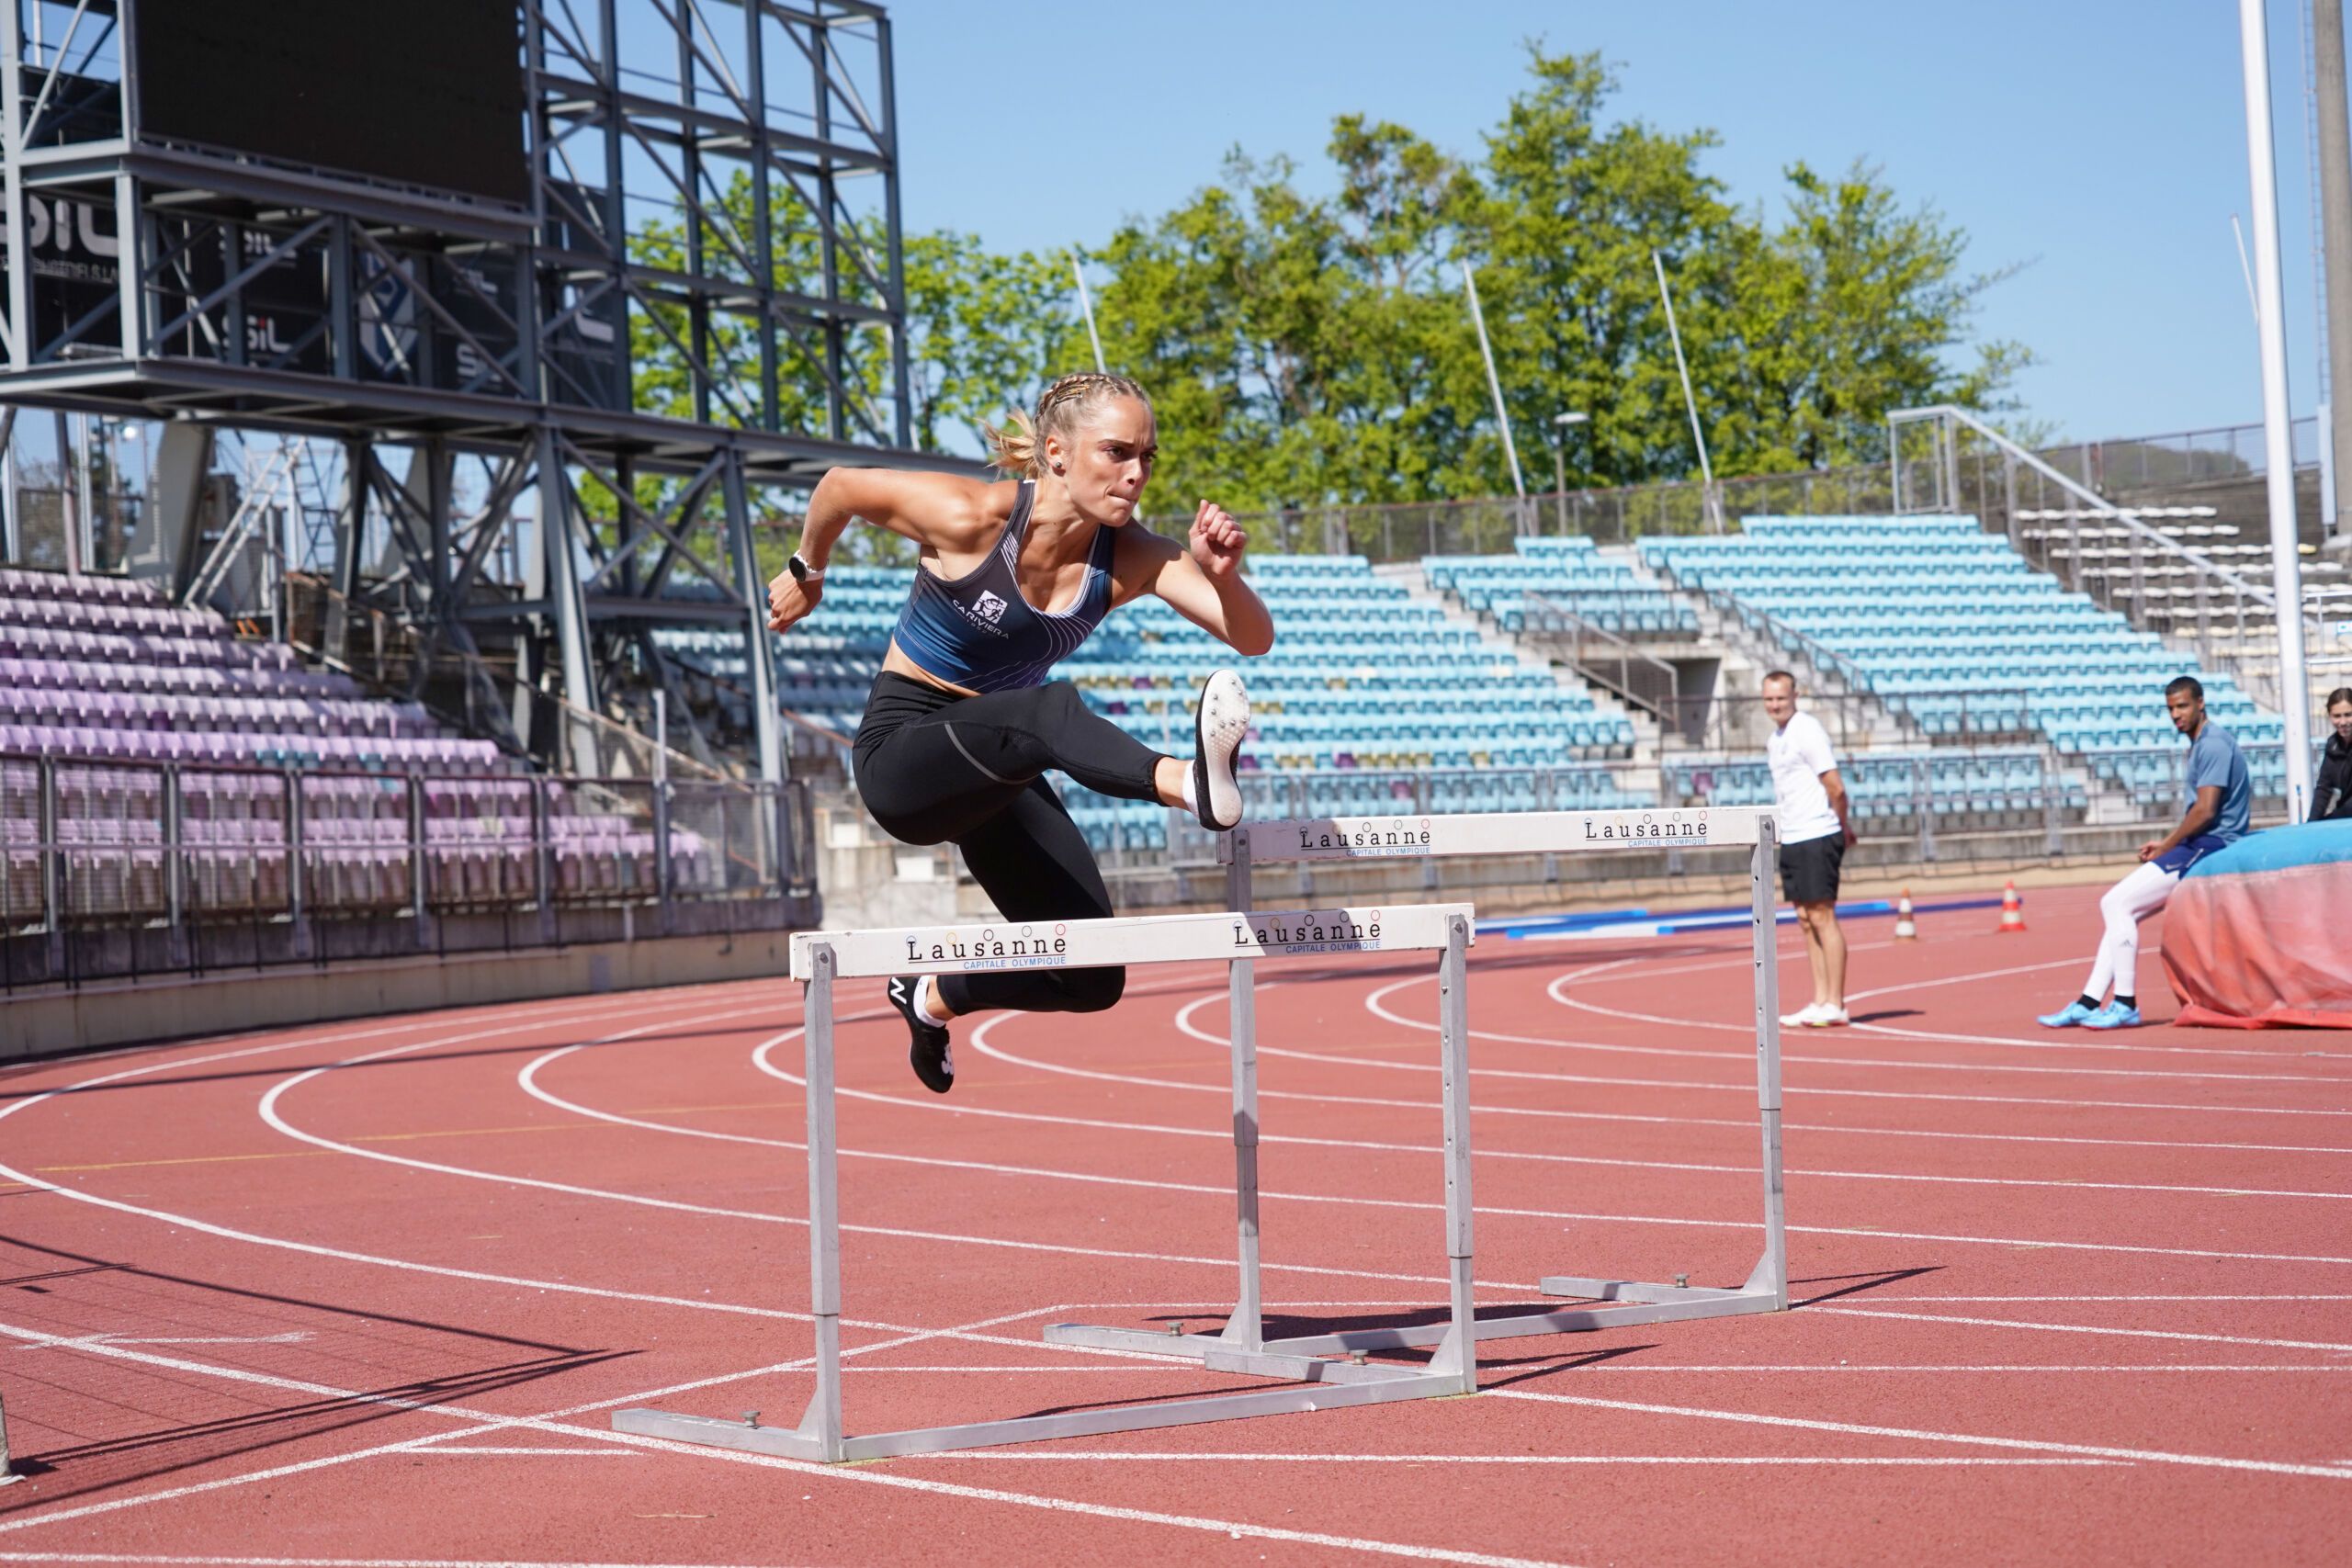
(962, 725)
(2221, 793)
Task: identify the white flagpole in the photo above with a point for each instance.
(1494, 384)
(2286, 568)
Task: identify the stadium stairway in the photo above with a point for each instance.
(1949, 612)
(1648, 738)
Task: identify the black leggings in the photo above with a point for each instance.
(936, 768)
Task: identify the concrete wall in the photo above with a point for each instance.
(46, 1023)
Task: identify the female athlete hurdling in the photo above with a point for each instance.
(962, 724)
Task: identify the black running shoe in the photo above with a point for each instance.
(1220, 723)
(930, 1053)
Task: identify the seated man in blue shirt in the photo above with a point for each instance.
(2220, 793)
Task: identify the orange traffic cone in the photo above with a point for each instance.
(2012, 910)
(1906, 928)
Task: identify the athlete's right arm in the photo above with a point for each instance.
(946, 513)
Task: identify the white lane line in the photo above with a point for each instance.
(269, 1114)
(2054, 1041)
(1232, 1529)
(1184, 1022)
(1810, 1091)
(933, 1104)
(1557, 992)
(1622, 969)
(1911, 1301)
(185, 1561)
(980, 1044)
(293, 1336)
(2027, 1369)
(1113, 1456)
(550, 1453)
(1861, 1430)
(2028, 1326)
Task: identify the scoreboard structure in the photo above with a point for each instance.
(640, 257)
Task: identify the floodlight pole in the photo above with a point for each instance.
(1086, 307)
(1706, 470)
(2286, 570)
(1560, 422)
(1494, 384)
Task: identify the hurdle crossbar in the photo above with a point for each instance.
(822, 958)
(1622, 1302)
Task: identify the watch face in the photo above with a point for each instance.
(800, 568)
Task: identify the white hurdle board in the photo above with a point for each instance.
(822, 958)
(1492, 833)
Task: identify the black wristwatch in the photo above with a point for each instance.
(802, 572)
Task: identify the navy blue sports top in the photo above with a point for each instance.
(979, 633)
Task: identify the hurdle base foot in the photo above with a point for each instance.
(1335, 1384)
(1633, 1290)
(711, 1432)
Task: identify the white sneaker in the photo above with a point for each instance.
(1826, 1018)
(1803, 1016)
(1220, 723)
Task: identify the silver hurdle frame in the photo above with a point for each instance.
(1619, 1302)
(821, 959)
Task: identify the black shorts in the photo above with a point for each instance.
(1809, 869)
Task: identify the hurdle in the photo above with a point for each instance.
(821, 959)
(1497, 833)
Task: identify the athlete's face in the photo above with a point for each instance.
(1780, 701)
(1108, 459)
(2188, 711)
(2340, 715)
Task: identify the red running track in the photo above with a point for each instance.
(370, 1291)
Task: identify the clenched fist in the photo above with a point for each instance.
(1218, 541)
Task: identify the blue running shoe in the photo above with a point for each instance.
(2114, 1017)
(2073, 1013)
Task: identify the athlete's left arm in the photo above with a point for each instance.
(2202, 813)
(1202, 578)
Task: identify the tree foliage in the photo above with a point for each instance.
(1308, 349)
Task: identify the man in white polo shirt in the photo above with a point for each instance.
(1814, 831)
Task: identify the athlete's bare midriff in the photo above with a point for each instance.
(897, 663)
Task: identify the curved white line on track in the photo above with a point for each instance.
(269, 1114)
(627, 1441)
(267, 1111)
(1184, 1022)
(980, 1044)
(2054, 1040)
(2030, 1325)
(1556, 992)
(953, 1108)
(1608, 972)
(1810, 1091)
(346, 1254)
(1856, 1429)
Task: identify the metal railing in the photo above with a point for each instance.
(1946, 459)
(1602, 657)
(1406, 531)
(115, 868)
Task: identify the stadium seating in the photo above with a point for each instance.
(1888, 787)
(1945, 622)
(1363, 680)
(111, 685)
(1569, 573)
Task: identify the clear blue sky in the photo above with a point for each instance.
(2101, 140)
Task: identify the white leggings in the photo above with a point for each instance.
(2128, 903)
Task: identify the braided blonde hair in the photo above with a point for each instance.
(1020, 447)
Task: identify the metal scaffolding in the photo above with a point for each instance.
(702, 295)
